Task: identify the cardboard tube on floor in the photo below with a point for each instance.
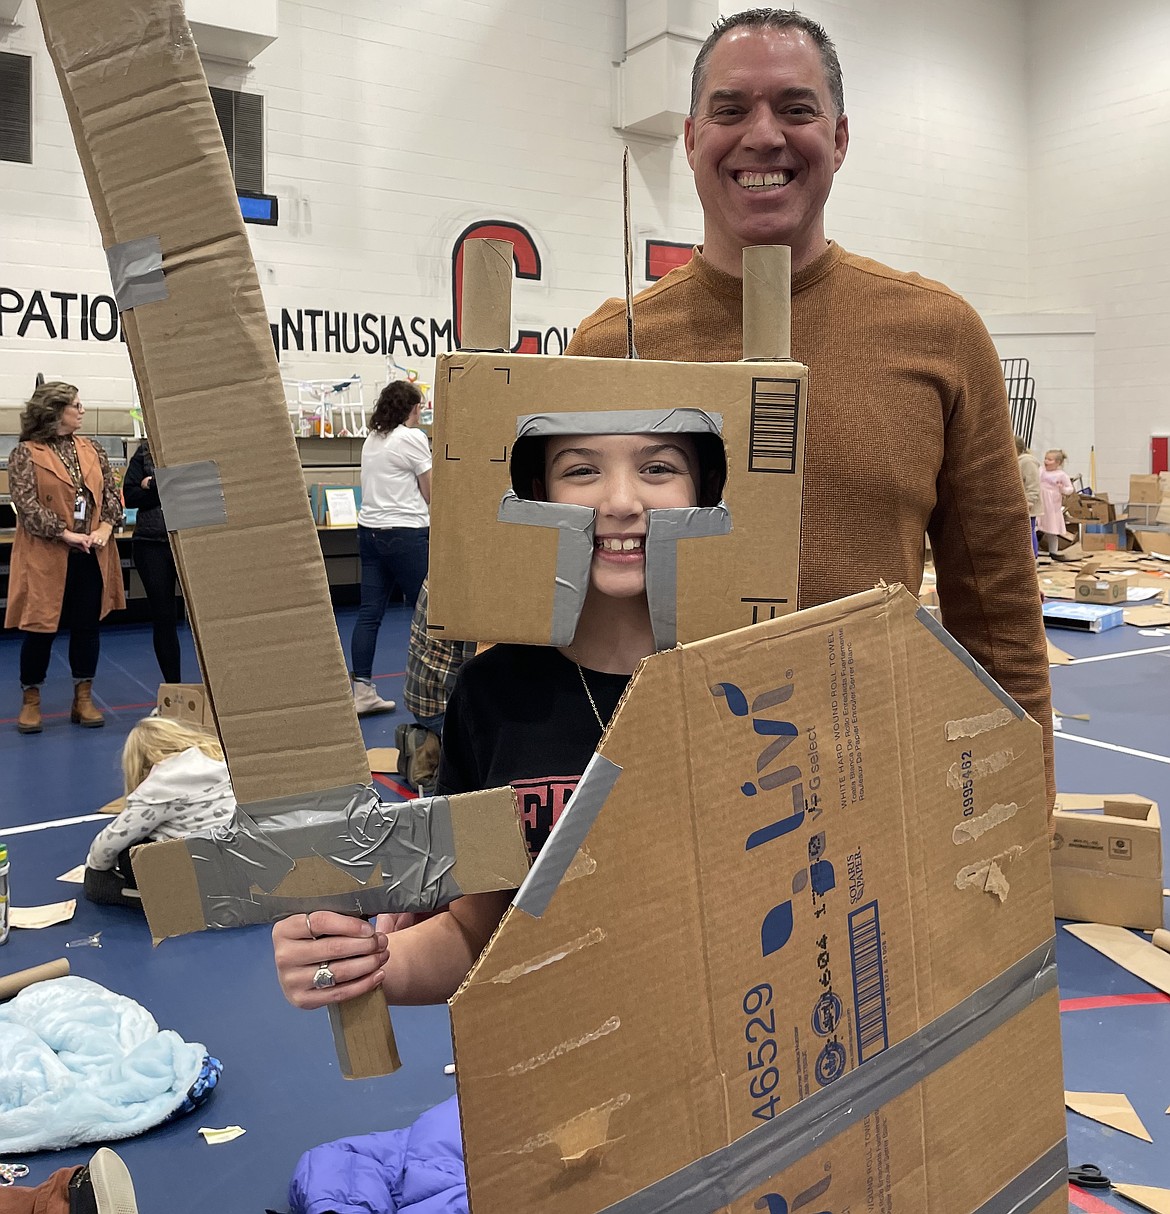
(767, 302)
(1161, 939)
(12, 984)
(487, 295)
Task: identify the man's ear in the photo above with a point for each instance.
(689, 139)
(840, 141)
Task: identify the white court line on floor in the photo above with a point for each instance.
(1128, 653)
(1125, 750)
(9, 831)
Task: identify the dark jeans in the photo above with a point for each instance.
(389, 555)
(156, 567)
(81, 608)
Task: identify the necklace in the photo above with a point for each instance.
(592, 702)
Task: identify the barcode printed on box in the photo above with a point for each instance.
(775, 410)
(869, 983)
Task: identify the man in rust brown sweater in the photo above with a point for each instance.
(908, 429)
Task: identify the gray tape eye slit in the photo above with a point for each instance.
(620, 421)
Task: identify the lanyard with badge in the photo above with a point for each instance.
(73, 467)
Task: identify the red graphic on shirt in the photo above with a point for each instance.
(542, 800)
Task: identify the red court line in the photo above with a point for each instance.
(1087, 1202)
(1091, 1002)
(405, 793)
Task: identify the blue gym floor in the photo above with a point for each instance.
(281, 1081)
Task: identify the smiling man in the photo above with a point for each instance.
(908, 426)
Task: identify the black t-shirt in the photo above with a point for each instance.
(519, 715)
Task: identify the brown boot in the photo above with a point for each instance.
(29, 720)
(84, 712)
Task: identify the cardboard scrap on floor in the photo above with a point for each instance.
(1130, 951)
(383, 760)
(215, 1138)
(1109, 1108)
(75, 876)
(113, 807)
(1058, 657)
(42, 916)
(1157, 1200)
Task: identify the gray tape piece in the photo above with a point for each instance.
(935, 627)
(621, 421)
(191, 495)
(567, 835)
(136, 272)
(574, 555)
(1035, 1184)
(238, 866)
(731, 1172)
(664, 529)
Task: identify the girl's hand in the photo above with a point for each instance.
(351, 949)
(100, 536)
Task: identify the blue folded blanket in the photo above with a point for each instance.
(80, 1064)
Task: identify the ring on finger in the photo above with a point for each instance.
(309, 926)
(324, 978)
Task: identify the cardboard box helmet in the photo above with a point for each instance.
(508, 567)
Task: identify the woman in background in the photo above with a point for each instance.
(154, 561)
(65, 567)
(394, 526)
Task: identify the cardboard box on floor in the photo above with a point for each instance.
(1094, 585)
(185, 702)
(232, 488)
(1107, 860)
(779, 974)
(1089, 508)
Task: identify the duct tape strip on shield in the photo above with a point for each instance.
(191, 495)
(567, 835)
(136, 272)
(238, 866)
(733, 1171)
(932, 625)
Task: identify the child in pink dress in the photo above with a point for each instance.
(1054, 484)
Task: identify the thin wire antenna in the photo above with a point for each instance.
(631, 349)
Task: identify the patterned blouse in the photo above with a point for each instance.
(39, 520)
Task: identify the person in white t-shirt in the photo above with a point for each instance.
(394, 525)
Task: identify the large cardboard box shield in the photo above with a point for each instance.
(790, 946)
(1107, 860)
(501, 573)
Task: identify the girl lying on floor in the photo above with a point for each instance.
(176, 783)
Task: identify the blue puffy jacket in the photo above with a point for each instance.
(418, 1170)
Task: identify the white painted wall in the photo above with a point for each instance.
(391, 128)
(1099, 211)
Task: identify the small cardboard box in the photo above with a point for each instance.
(1083, 617)
(185, 702)
(1104, 537)
(1096, 586)
(1145, 490)
(803, 851)
(1154, 541)
(1107, 860)
(1089, 508)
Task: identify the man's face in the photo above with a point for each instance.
(764, 143)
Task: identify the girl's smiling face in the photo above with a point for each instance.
(621, 477)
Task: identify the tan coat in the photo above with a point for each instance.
(36, 577)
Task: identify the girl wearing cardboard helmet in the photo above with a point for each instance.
(528, 716)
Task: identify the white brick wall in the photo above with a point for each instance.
(1099, 206)
(386, 138)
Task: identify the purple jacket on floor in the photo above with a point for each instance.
(418, 1170)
